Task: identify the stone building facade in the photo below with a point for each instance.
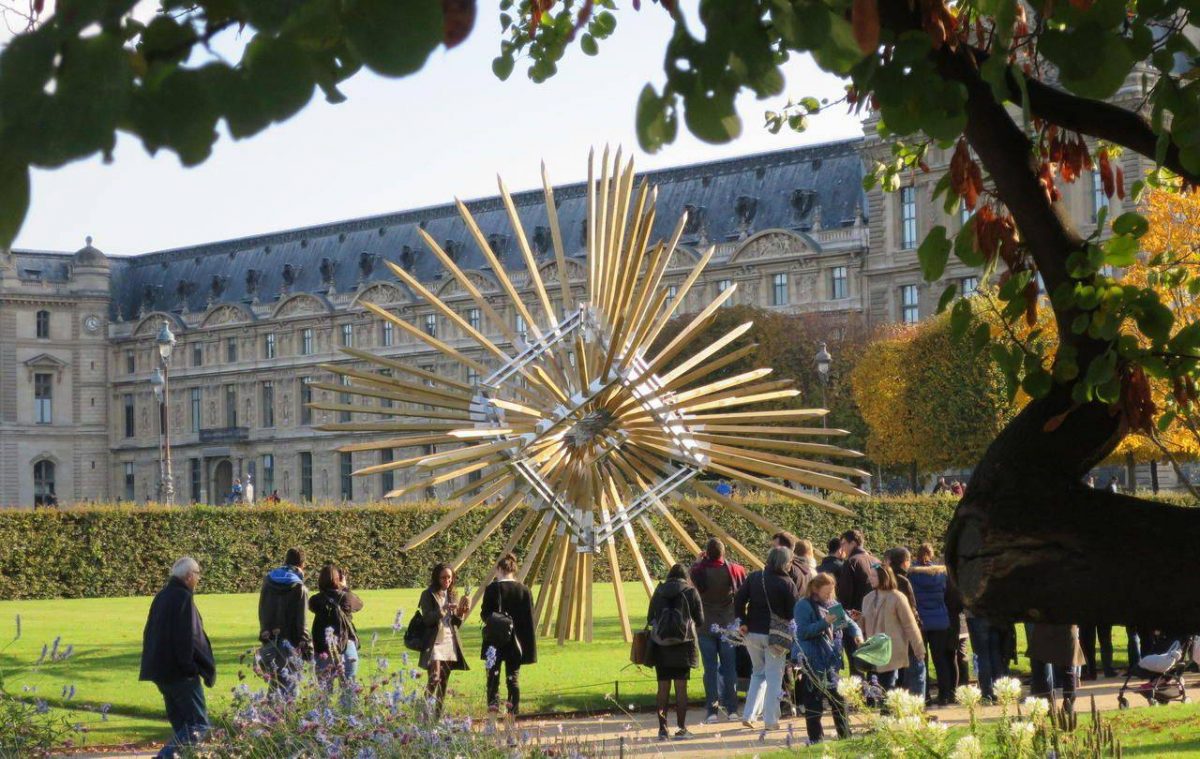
(256, 318)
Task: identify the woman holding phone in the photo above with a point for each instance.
(442, 652)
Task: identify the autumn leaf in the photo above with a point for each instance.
(458, 18)
(864, 18)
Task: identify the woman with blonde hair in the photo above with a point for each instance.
(818, 654)
(886, 610)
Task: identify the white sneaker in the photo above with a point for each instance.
(734, 717)
(712, 719)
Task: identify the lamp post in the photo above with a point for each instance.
(824, 362)
(166, 480)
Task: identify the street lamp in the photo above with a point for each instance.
(824, 363)
(166, 345)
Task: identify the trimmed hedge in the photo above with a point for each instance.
(126, 550)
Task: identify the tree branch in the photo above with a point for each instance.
(1099, 119)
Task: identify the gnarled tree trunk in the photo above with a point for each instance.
(1030, 541)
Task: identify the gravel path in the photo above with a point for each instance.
(636, 734)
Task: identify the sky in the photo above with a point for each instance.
(395, 144)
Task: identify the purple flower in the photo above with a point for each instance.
(490, 658)
(398, 623)
(42, 658)
(104, 708)
(41, 707)
(54, 648)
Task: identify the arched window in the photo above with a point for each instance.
(43, 325)
(43, 484)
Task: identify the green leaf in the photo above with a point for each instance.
(1155, 320)
(587, 43)
(947, 296)
(1130, 223)
(1037, 383)
(14, 199)
(981, 336)
(933, 253)
(1120, 251)
(502, 66)
(960, 317)
(393, 38)
(711, 115)
(1092, 60)
(810, 104)
(656, 124)
(964, 245)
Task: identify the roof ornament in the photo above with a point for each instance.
(366, 265)
(816, 217)
(253, 283)
(746, 208)
(290, 274)
(216, 287)
(328, 267)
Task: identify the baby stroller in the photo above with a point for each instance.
(1165, 670)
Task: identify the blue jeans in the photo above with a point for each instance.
(914, 675)
(720, 673)
(988, 645)
(186, 711)
(762, 695)
(348, 675)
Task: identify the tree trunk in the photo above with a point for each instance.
(914, 483)
(1130, 474)
(1030, 541)
(1154, 476)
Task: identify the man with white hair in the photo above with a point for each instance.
(177, 657)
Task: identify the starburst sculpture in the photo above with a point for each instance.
(578, 426)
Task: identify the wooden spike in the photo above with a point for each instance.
(502, 512)
(614, 567)
(560, 258)
(704, 521)
(453, 316)
(429, 340)
(450, 517)
(400, 366)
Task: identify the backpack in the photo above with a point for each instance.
(414, 634)
(673, 625)
(341, 633)
(498, 627)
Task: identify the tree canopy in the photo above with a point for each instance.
(1019, 93)
(929, 398)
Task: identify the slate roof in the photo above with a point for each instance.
(727, 199)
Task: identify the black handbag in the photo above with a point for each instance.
(414, 634)
(498, 627)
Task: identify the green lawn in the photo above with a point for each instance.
(107, 634)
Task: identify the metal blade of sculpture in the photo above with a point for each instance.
(575, 424)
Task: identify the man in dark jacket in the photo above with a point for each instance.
(718, 579)
(283, 622)
(854, 581)
(177, 657)
(834, 559)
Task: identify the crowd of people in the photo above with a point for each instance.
(177, 656)
(799, 622)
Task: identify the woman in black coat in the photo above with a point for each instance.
(333, 609)
(508, 596)
(673, 658)
(441, 651)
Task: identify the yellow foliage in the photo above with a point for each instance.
(879, 390)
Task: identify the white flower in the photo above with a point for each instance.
(967, 747)
(968, 695)
(902, 704)
(1008, 690)
(1036, 708)
(1021, 732)
(852, 684)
